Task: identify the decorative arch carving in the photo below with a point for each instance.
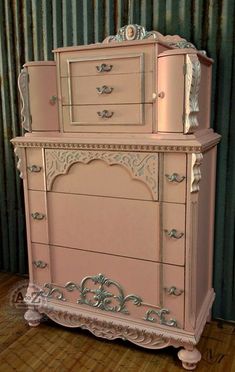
(141, 166)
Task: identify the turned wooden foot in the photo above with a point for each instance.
(189, 358)
(33, 317)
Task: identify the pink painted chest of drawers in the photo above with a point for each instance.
(119, 180)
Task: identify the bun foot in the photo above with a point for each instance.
(189, 358)
(33, 317)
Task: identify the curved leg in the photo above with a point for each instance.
(33, 317)
(189, 358)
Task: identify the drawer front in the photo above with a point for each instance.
(35, 169)
(147, 282)
(38, 216)
(126, 59)
(41, 264)
(109, 225)
(116, 174)
(174, 178)
(108, 118)
(111, 89)
(173, 235)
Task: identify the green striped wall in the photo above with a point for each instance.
(30, 29)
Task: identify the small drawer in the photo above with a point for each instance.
(38, 216)
(174, 178)
(173, 235)
(153, 285)
(108, 118)
(123, 60)
(111, 89)
(40, 263)
(35, 169)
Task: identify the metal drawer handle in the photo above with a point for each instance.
(40, 264)
(34, 168)
(103, 67)
(104, 90)
(173, 291)
(38, 216)
(173, 233)
(105, 114)
(175, 177)
(53, 100)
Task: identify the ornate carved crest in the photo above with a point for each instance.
(136, 32)
(142, 166)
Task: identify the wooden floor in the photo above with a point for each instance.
(50, 347)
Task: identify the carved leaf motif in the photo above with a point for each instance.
(192, 85)
(142, 166)
(196, 172)
(24, 93)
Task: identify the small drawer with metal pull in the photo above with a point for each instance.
(173, 234)
(108, 118)
(174, 178)
(40, 264)
(37, 216)
(35, 169)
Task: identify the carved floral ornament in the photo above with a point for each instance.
(100, 292)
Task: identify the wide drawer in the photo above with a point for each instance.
(110, 225)
(35, 169)
(122, 60)
(108, 118)
(116, 174)
(111, 89)
(104, 282)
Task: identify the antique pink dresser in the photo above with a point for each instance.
(119, 180)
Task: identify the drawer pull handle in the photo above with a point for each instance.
(38, 216)
(105, 114)
(34, 168)
(53, 100)
(174, 177)
(40, 264)
(173, 291)
(104, 90)
(104, 68)
(174, 234)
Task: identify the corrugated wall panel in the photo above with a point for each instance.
(30, 29)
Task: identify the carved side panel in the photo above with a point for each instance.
(141, 166)
(23, 81)
(192, 85)
(196, 172)
(19, 152)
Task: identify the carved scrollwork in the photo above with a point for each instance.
(142, 166)
(137, 32)
(23, 80)
(102, 297)
(151, 339)
(160, 315)
(52, 292)
(192, 85)
(196, 172)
